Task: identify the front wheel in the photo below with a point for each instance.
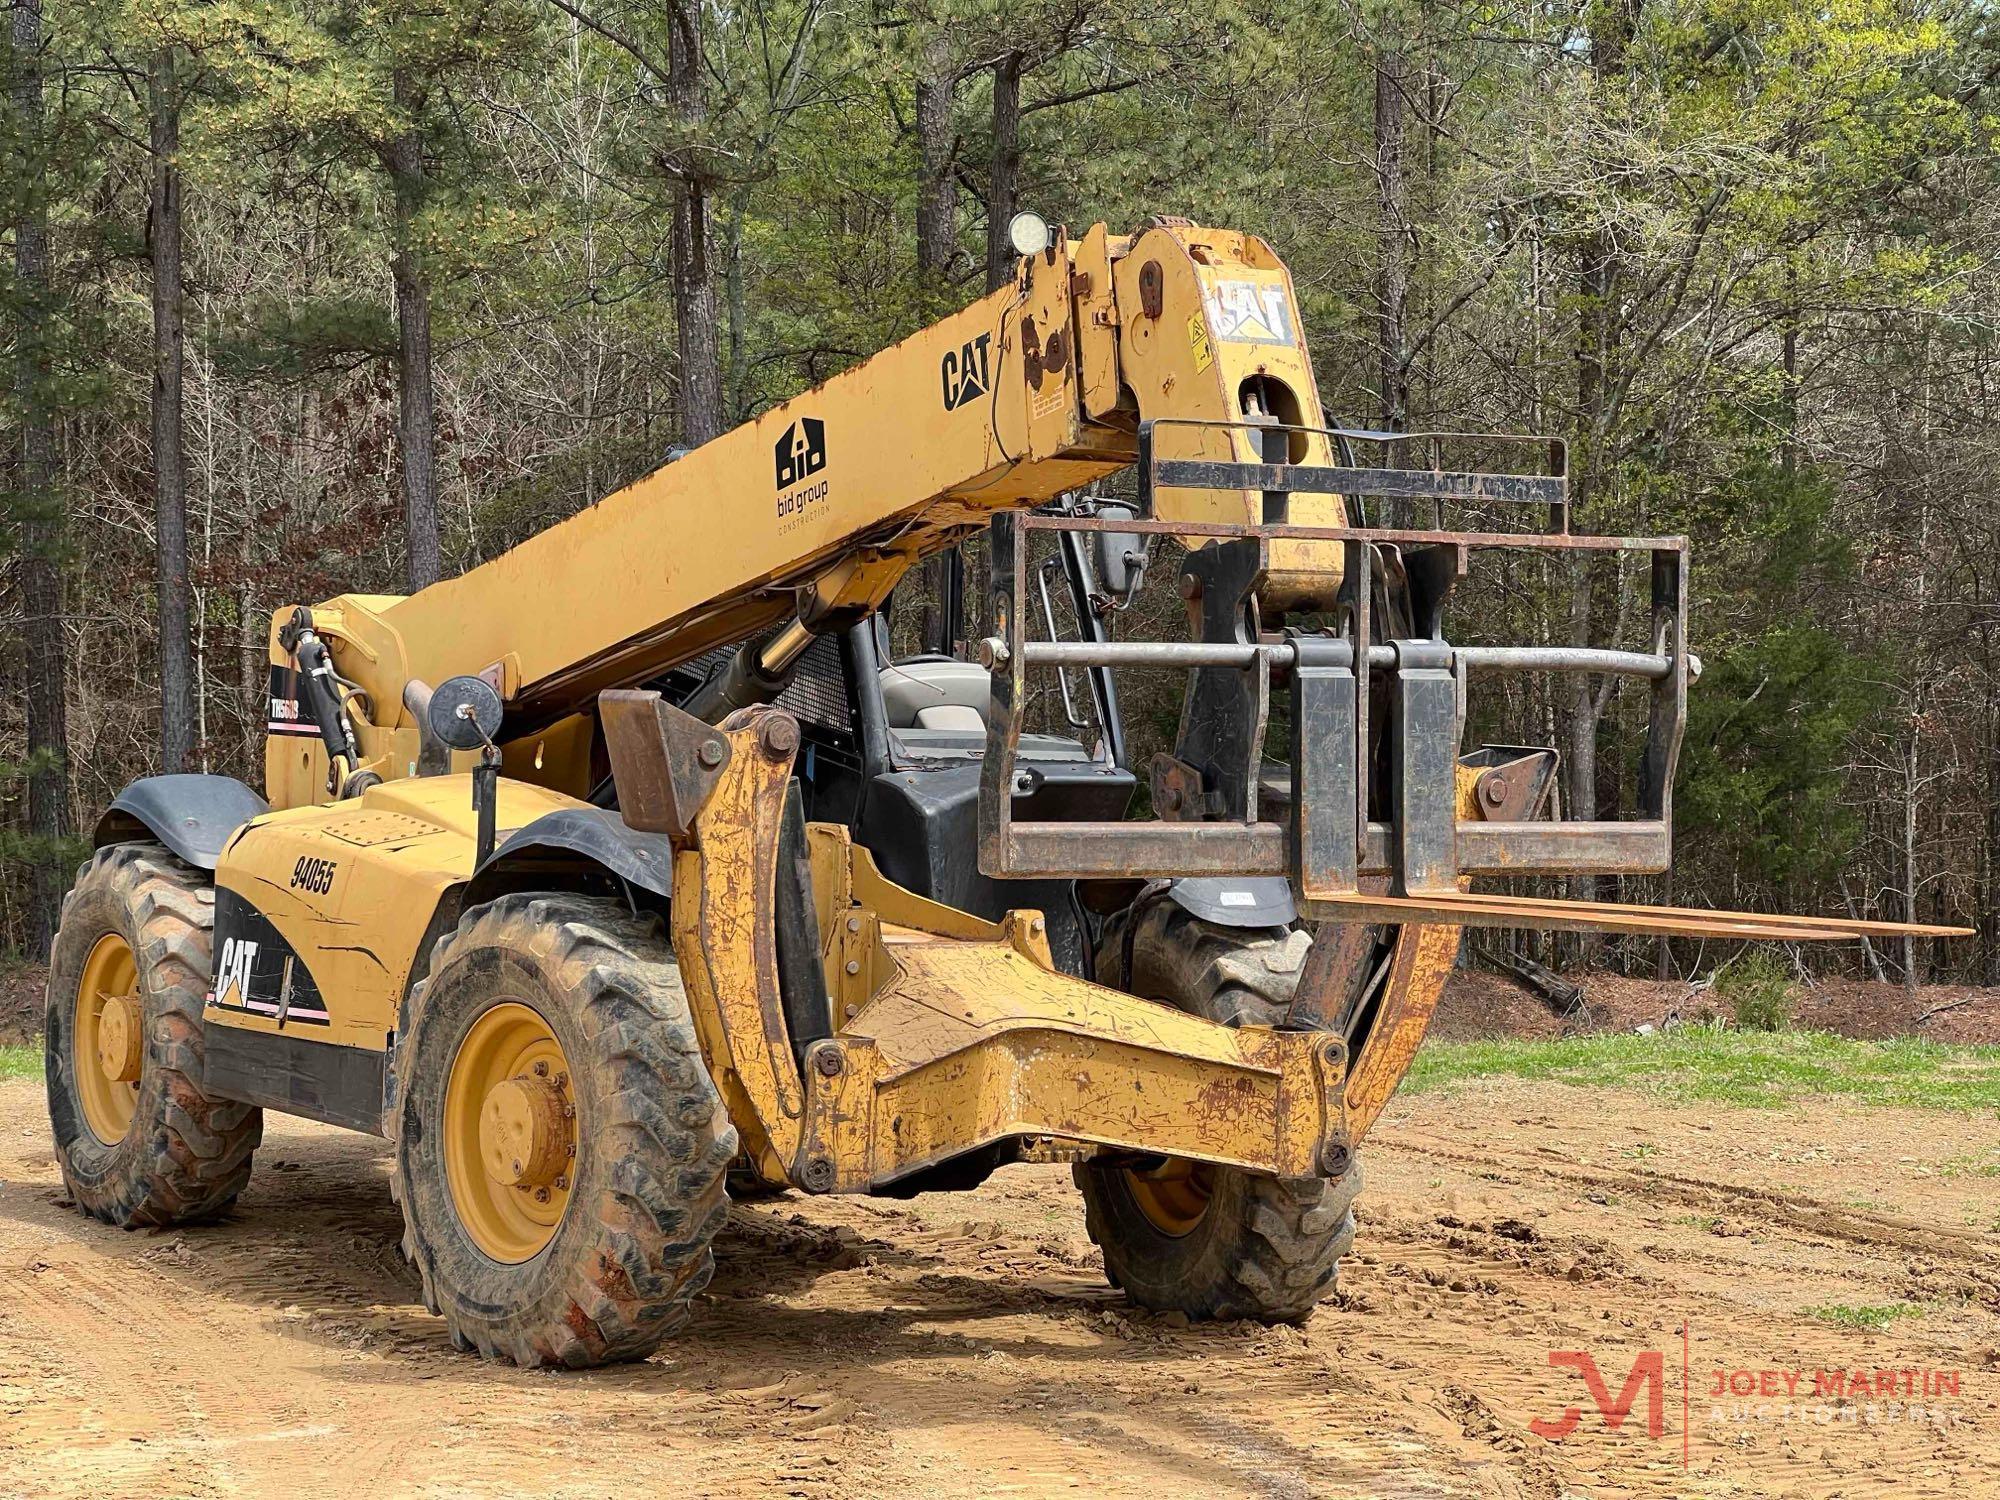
(1214, 1242)
(139, 1141)
(560, 1148)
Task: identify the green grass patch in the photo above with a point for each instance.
(1975, 1164)
(21, 1062)
(1719, 1065)
(1872, 1319)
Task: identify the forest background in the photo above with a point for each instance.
(300, 297)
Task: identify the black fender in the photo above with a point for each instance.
(593, 834)
(192, 815)
(1236, 900)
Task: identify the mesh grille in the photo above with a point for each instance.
(818, 691)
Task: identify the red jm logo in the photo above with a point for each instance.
(1648, 1370)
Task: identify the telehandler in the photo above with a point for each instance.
(628, 869)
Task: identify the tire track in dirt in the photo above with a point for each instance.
(1627, 1284)
(1789, 1210)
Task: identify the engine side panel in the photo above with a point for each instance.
(322, 912)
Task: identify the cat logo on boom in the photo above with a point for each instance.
(963, 372)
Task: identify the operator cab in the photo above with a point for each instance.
(892, 747)
(936, 708)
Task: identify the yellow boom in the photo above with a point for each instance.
(822, 503)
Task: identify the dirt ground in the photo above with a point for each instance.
(961, 1346)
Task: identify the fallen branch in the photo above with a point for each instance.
(1565, 996)
(1947, 1005)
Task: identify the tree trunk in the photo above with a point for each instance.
(163, 223)
(1004, 175)
(38, 569)
(697, 326)
(937, 193)
(1910, 791)
(1392, 277)
(1989, 877)
(1598, 333)
(737, 299)
(416, 411)
(1789, 322)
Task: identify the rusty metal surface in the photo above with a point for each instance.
(1148, 850)
(725, 938)
(1842, 927)
(666, 762)
(1336, 968)
(975, 1042)
(1525, 540)
(1209, 820)
(1419, 965)
(1418, 970)
(1480, 910)
(1514, 783)
(955, 1032)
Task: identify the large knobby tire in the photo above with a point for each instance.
(591, 994)
(139, 927)
(1215, 1242)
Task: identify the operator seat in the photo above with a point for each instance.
(936, 693)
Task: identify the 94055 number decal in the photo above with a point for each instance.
(315, 875)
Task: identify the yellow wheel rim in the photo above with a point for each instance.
(510, 1133)
(1173, 1196)
(108, 1039)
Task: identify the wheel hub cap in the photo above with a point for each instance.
(522, 1134)
(118, 1050)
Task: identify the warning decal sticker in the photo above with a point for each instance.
(1204, 356)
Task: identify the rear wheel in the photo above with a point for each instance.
(1214, 1242)
(560, 1148)
(138, 1140)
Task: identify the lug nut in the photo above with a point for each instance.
(541, 1195)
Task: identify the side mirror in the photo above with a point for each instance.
(464, 712)
(1118, 558)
